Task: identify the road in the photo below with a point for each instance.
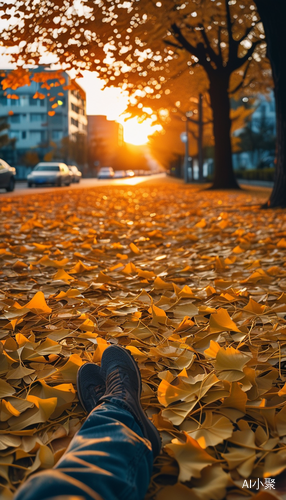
(21, 188)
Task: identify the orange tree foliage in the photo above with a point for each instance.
(144, 46)
(183, 279)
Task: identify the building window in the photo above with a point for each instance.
(32, 101)
(24, 100)
(36, 136)
(57, 135)
(75, 108)
(15, 134)
(74, 122)
(37, 117)
(3, 101)
(14, 119)
(57, 119)
(14, 102)
(24, 135)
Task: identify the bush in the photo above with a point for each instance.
(255, 174)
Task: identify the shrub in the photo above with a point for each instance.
(255, 174)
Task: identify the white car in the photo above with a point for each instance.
(119, 174)
(55, 173)
(129, 173)
(105, 173)
(75, 173)
(7, 176)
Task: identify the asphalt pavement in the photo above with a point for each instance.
(21, 188)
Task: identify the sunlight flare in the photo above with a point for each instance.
(136, 132)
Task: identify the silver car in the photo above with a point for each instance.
(105, 173)
(55, 173)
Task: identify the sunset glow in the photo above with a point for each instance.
(137, 133)
(112, 103)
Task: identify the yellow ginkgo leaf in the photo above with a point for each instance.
(229, 364)
(101, 346)
(242, 459)
(38, 304)
(70, 369)
(214, 430)
(63, 276)
(237, 398)
(134, 248)
(191, 457)
(221, 321)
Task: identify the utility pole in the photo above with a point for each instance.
(185, 138)
(200, 138)
(186, 161)
(199, 122)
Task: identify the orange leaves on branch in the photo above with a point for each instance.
(39, 95)
(16, 78)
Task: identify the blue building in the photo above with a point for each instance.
(258, 137)
(41, 114)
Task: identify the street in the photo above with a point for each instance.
(22, 189)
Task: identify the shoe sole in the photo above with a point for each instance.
(94, 372)
(150, 430)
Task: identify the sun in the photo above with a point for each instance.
(112, 103)
(136, 132)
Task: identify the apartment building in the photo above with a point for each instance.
(42, 114)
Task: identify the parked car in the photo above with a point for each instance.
(7, 176)
(75, 173)
(119, 174)
(105, 173)
(129, 173)
(55, 173)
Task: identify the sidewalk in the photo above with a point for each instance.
(256, 183)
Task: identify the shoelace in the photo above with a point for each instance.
(115, 383)
(95, 392)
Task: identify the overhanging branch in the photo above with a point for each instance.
(173, 44)
(231, 42)
(247, 32)
(184, 42)
(216, 58)
(240, 85)
(241, 60)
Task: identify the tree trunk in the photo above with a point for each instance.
(273, 16)
(224, 177)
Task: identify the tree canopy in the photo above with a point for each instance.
(148, 47)
(142, 46)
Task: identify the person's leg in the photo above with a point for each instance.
(108, 459)
(111, 457)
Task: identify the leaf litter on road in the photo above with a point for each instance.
(193, 283)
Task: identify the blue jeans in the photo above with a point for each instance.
(108, 459)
